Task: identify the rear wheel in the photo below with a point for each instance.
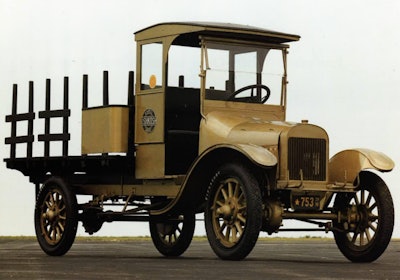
(172, 237)
(56, 217)
(233, 213)
(365, 234)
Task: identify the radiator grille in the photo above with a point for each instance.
(308, 155)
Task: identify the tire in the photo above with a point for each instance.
(56, 217)
(233, 213)
(365, 240)
(172, 237)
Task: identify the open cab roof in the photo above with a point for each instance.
(191, 31)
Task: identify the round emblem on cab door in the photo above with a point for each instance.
(149, 120)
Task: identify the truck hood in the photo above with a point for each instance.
(224, 127)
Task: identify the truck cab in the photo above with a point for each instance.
(193, 74)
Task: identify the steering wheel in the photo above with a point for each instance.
(252, 87)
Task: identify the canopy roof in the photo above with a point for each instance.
(224, 30)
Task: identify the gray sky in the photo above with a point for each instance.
(343, 73)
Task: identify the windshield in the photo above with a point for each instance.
(238, 73)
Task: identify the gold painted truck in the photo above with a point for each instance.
(204, 131)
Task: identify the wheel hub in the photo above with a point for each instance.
(358, 217)
(363, 217)
(229, 210)
(51, 215)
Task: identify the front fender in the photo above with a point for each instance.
(193, 190)
(257, 154)
(345, 166)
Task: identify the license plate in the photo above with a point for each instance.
(305, 202)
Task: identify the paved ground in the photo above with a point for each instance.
(287, 259)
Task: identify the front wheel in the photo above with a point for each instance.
(56, 217)
(233, 213)
(172, 236)
(366, 231)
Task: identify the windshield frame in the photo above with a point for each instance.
(230, 43)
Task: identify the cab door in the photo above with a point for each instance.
(149, 113)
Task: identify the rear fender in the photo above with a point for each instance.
(193, 190)
(345, 166)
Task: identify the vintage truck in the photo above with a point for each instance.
(204, 130)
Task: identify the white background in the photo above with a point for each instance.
(343, 73)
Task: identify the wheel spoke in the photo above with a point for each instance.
(234, 234)
(354, 239)
(222, 228)
(49, 233)
(61, 209)
(52, 233)
(224, 194)
(58, 232)
(46, 222)
(220, 203)
(239, 228)
(372, 227)
(228, 233)
(362, 242)
(237, 189)
(51, 198)
(368, 199)
(362, 197)
(47, 203)
(61, 226)
(372, 217)
(356, 200)
(241, 196)
(368, 235)
(241, 218)
(57, 198)
(241, 208)
(372, 207)
(230, 190)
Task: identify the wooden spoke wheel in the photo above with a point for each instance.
(172, 237)
(233, 213)
(56, 217)
(365, 234)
